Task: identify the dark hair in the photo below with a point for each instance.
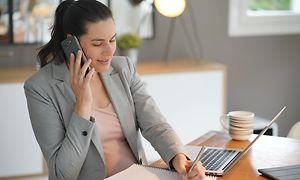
(71, 17)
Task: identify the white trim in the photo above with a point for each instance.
(241, 24)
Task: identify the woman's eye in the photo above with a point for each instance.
(112, 41)
(99, 44)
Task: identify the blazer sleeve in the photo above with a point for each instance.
(150, 120)
(64, 148)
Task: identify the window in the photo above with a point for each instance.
(26, 21)
(134, 17)
(29, 21)
(264, 17)
(4, 22)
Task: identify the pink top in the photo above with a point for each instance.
(117, 153)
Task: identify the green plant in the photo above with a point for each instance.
(257, 5)
(129, 40)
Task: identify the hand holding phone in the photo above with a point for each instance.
(72, 45)
(80, 85)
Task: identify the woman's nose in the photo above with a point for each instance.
(108, 49)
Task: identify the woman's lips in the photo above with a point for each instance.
(103, 61)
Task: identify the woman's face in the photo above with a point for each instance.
(99, 43)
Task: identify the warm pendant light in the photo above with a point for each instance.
(170, 8)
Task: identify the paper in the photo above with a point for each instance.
(137, 171)
(192, 151)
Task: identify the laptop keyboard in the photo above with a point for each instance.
(213, 159)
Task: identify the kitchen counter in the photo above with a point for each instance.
(20, 74)
(15, 74)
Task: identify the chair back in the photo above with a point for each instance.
(294, 131)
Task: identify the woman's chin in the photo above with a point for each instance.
(102, 68)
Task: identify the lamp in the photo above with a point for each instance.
(173, 9)
(170, 8)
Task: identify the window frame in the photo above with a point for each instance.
(241, 24)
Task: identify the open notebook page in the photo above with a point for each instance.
(137, 171)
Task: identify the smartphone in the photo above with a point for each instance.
(71, 45)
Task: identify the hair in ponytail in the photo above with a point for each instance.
(71, 17)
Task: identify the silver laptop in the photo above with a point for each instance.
(218, 161)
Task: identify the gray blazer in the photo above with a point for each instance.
(71, 144)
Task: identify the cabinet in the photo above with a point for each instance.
(191, 95)
(20, 154)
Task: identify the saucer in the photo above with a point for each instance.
(240, 137)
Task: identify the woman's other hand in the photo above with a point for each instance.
(81, 85)
(182, 166)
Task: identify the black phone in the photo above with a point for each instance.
(72, 45)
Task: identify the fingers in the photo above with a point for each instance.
(89, 76)
(179, 162)
(182, 166)
(198, 172)
(71, 63)
(75, 62)
(77, 73)
(76, 68)
(194, 173)
(84, 68)
(181, 170)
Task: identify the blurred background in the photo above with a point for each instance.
(257, 42)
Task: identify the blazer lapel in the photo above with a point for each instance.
(119, 99)
(60, 72)
(67, 98)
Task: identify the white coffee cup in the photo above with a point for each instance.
(239, 124)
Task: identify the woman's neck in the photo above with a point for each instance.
(101, 98)
(96, 80)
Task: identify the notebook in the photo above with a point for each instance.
(137, 171)
(284, 172)
(218, 161)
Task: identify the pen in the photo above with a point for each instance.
(197, 158)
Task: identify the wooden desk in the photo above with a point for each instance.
(268, 151)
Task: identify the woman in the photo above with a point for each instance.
(87, 125)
